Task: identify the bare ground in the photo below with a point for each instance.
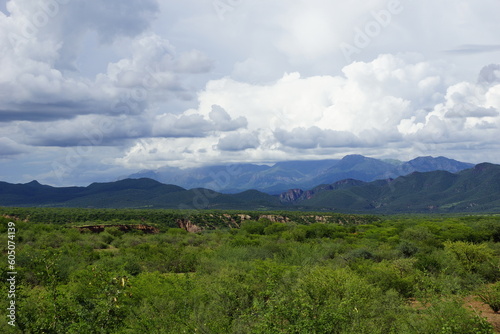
(484, 310)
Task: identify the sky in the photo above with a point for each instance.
(97, 90)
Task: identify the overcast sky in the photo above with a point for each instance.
(94, 90)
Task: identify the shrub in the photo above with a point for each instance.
(490, 295)
(275, 228)
(470, 255)
(253, 227)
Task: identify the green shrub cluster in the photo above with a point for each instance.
(398, 275)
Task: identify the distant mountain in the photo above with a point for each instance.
(306, 174)
(429, 164)
(472, 190)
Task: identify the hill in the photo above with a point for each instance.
(130, 193)
(471, 190)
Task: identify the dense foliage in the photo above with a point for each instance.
(364, 275)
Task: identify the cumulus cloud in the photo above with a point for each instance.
(223, 121)
(391, 103)
(374, 95)
(468, 114)
(182, 126)
(196, 125)
(262, 83)
(238, 142)
(41, 42)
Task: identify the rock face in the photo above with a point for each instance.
(188, 225)
(295, 195)
(275, 218)
(291, 195)
(125, 228)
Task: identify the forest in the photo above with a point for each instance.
(301, 273)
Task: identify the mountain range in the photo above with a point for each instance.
(476, 189)
(307, 174)
(471, 190)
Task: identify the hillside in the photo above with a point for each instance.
(130, 193)
(476, 189)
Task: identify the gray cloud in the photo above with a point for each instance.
(42, 82)
(52, 111)
(190, 126)
(474, 48)
(470, 110)
(157, 80)
(86, 131)
(223, 121)
(9, 147)
(109, 19)
(238, 142)
(489, 74)
(195, 125)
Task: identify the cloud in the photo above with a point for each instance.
(374, 95)
(119, 130)
(41, 43)
(9, 148)
(468, 114)
(179, 85)
(469, 110)
(223, 121)
(238, 142)
(88, 130)
(475, 48)
(393, 102)
(196, 125)
(314, 137)
(182, 126)
(489, 74)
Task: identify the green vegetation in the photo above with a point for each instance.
(306, 273)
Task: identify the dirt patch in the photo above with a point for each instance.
(124, 228)
(484, 311)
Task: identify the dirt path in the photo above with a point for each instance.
(485, 311)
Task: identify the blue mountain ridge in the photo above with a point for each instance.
(304, 174)
(475, 189)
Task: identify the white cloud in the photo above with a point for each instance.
(268, 81)
(392, 102)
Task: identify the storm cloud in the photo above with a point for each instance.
(147, 84)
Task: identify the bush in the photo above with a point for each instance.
(275, 228)
(407, 249)
(490, 295)
(470, 255)
(253, 227)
